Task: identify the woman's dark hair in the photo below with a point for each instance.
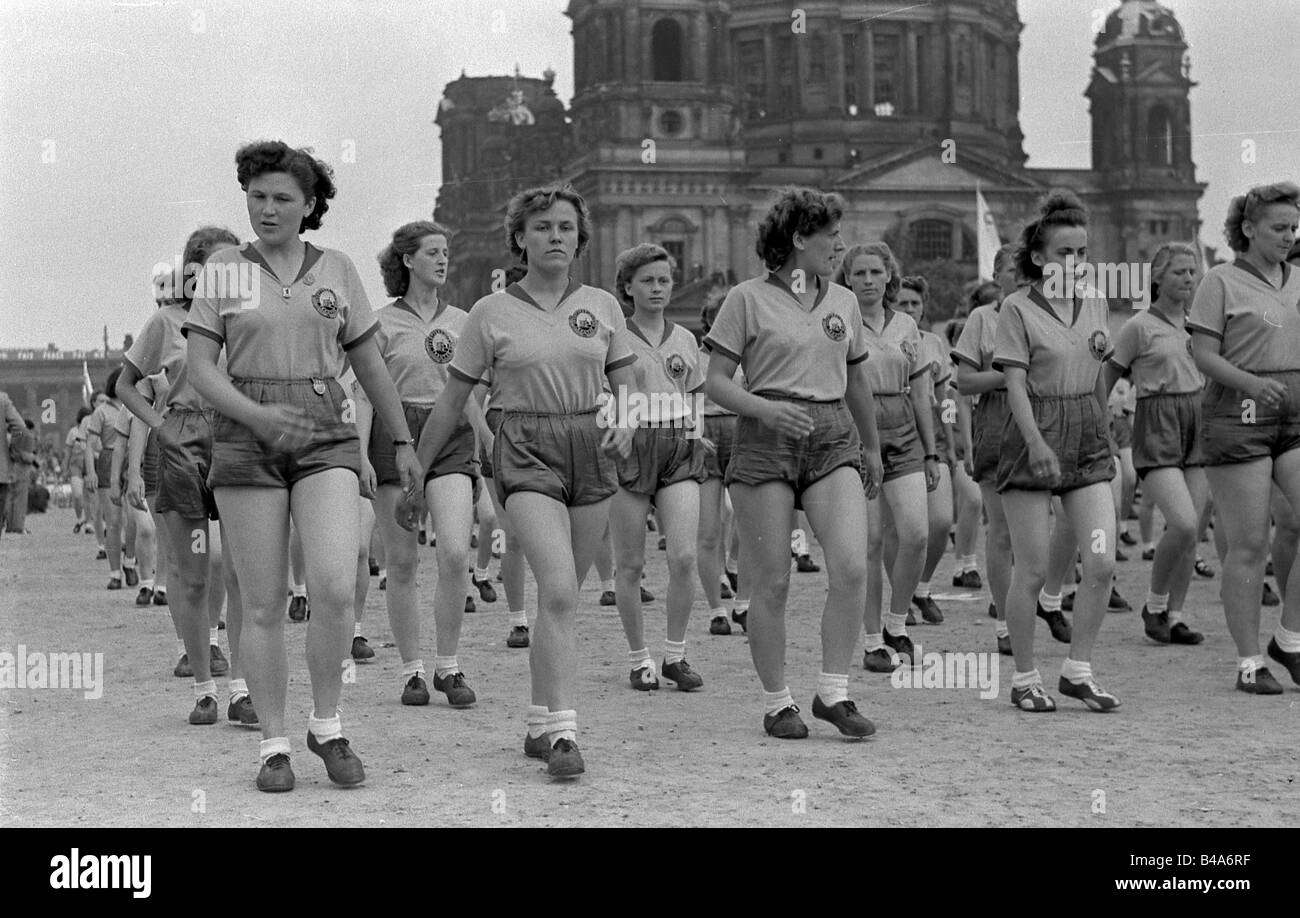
(314, 177)
(515, 273)
(1059, 208)
(535, 200)
(82, 413)
(406, 241)
(985, 293)
(202, 243)
(634, 259)
(919, 284)
(954, 330)
(1248, 206)
(110, 384)
(712, 306)
(885, 254)
(796, 210)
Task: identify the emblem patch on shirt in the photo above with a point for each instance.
(834, 327)
(1098, 343)
(439, 346)
(909, 350)
(583, 323)
(675, 364)
(326, 302)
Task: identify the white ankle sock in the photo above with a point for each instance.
(1000, 628)
(213, 636)
(325, 728)
(300, 589)
(895, 623)
(640, 658)
(1024, 680)
(202, 689)
(356, 630)
(1288, 641)
(1051, 602)
(922, 591)
(445, 666)
(238, 689)
(719, 612)
(873, 640)
(562, 725)
(607, 586)
(833, 688)
(968, 563)
(480, 573)
(276, 745)
(128, 564)
(1076, 671)
(1250, 664)
(415, 667)
(537, 715)
(740, 605)
(146, 584)
(674, 651)
(519, 619)
(777, 701)
(1157, 603)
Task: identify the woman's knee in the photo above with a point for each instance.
(557, 599)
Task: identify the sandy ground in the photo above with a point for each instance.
(1186, 749)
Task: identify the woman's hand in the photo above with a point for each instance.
(873, 471)
(1269, 393)
(283, 428)
(617, 441)
(135, 491)
(411, 509)
(367, 480)
(931, 473)
(1043, 462)
(409, 473)
(788, 419)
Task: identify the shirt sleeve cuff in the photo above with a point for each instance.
(1003, 362)
(969, 361)
(620, 363)
(713, 345)
(854, 361)
(464, 377)
(205, 332)
(1202, 330)
(363, 337)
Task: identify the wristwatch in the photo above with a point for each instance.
(933, 456)
(410, 442)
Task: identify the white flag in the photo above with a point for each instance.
(87, 388)
(989, 241)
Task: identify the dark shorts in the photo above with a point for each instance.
(149, 466)
(1075, 428)
(456, 457)
(942, 440)
(240, 460)
(1167, 432)
(493, 419)
(761, 455)
(720, 430)
(1121, 429)
(558, 455)
(183, 470)
(987, 421)
(901, 452)
(77, 462)
(104, 468)
(661, 456)
(1232, 432)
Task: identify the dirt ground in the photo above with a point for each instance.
(1185, 749)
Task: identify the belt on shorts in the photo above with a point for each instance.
(511, 412)
(319, 384)
(907, 391)
(787, 397)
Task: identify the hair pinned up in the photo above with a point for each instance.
(1059, 208)
(1249, 205)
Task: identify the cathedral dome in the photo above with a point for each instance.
(1140, 19)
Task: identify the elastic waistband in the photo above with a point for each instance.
(184, 410)
(1195, 393)
(1063, 398)
(298, 381)
(786, 397)
(891, 394)
(511, 413)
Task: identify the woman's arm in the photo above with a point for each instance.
(1205, 351)
(1042, 461)
(132, 398)
(862, 405)
(134, 456)
(372, 373)
(723, 389)
(971, 381)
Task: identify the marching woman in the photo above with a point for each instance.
(666, 464)
(102, 435)
(549, 342)
(1154, 350)
(804, 423)
(1246, 339)
(720, 434)
(75, 461)
(184, 502)
(285, 443)
(900, 385)
(911, 301)
(418, 334)
(1050, 350)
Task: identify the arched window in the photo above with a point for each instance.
(1160, 137)
(929, 240)
(666, 51)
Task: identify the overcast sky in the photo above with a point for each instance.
(119, 122)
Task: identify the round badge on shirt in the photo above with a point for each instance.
(326, 302)
(1097, 343)
(583, 323)
(833, 325)
(675, 364)
(440, 346)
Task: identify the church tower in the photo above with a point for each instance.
(1142, 130)
(653, 126)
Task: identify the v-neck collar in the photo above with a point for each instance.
(823, 286)
(636, 330)
(1164, 318)
(309, 259)
(1038, 299)
(889, 317)
(402, 303)
(520, 293)
(1246, 266)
